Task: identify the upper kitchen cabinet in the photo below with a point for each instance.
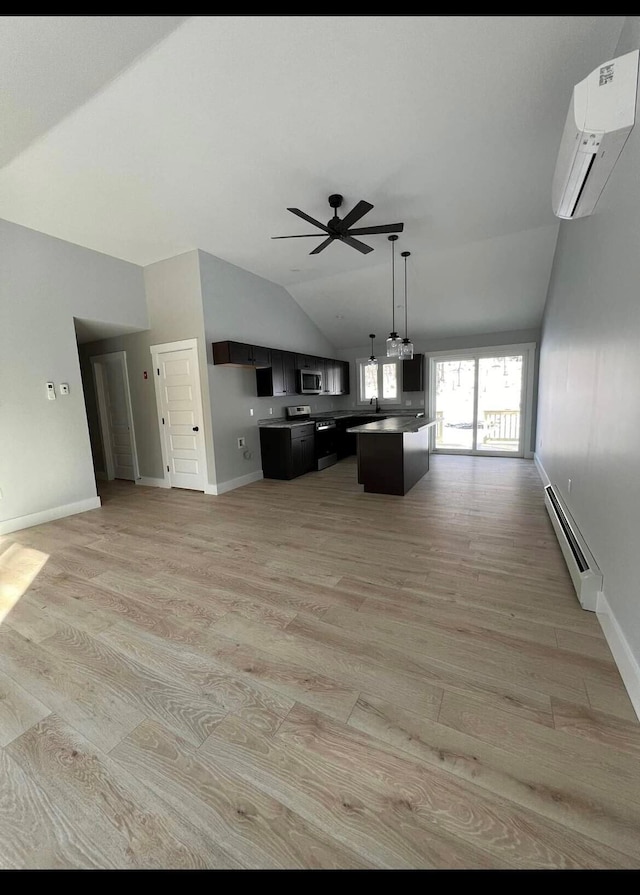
(328, 377)
(276, 370)
(240, 354)
(308, 362)
(341, 378)
(280, 378)
(413, 374)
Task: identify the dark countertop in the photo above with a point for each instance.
(282, 423)
(393, 426)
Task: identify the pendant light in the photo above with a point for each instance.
(393, 342)
(406, 349)
(373, 360)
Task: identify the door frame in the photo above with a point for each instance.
(156, 350)
(528, 352)
(97, 361)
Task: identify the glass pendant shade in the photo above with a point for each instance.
(394, 343)
(406, 349)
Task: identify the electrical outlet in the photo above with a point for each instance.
(569, 486)
(64, 388)
(241, 443)
(408, 403)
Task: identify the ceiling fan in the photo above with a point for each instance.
(342, 229)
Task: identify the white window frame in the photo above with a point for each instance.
(528, 352)
(383, 402)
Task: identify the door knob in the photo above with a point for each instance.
(196, 429)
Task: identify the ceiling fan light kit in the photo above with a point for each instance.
(394, 341)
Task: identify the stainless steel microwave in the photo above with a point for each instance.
(309, 382)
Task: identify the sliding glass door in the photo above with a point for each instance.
(478, 403)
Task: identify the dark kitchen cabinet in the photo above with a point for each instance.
(261, 356)
(346, 442)
(307, 362)
(328, 382)
(280, 378)
(240, 354)
(341, 378)
(276, 369)
(413, 374)
(303, 458)
(287, 452)
(270, 380)
(289, 369)
(326, 368)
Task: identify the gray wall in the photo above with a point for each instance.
(45, 456)
(175, 312)
(241, 306)
(589, 410)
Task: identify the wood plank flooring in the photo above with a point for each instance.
(299, 675)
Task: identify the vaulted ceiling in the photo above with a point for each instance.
(143, 137)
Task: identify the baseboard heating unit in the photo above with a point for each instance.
(585, 574)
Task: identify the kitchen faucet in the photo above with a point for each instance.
(375, 398)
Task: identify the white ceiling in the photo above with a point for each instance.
(448, 123)
(49, 65)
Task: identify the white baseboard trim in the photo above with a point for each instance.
(152, 483)
(68, 509)
(232, 484)
(543, 473)
(625, 660)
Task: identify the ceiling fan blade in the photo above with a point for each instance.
(356, 244)
(322, 245)
(358, 211)
(310, 220)
(382, 228)
(300, 236)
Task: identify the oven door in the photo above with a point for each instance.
(309, 382)
(326, 445)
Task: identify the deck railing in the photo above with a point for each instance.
(501, 425)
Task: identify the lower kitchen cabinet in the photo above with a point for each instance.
(303, 454)
(287, 453)
(346, 442)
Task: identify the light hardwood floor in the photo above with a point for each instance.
(296, 674)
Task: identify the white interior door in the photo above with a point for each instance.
(180, 403)
(114, 409)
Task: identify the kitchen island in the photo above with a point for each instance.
(393, 454)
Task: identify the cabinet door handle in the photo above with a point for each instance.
(196, 428)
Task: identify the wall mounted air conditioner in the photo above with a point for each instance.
(601, 115)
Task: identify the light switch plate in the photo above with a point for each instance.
(51, 391)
